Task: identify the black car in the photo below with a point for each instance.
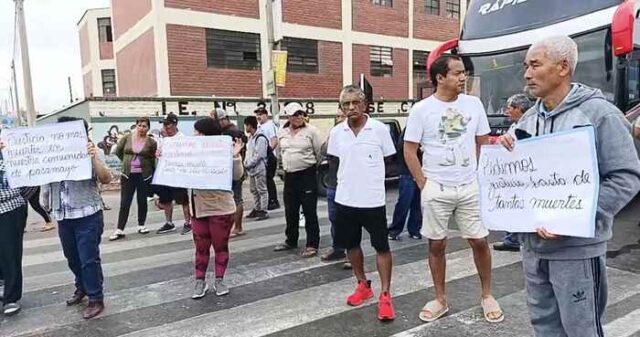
(391, 162)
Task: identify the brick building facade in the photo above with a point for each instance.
(205, 48)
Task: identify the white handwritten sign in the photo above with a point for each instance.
(45, 154)
(549, 181)
(201, 162)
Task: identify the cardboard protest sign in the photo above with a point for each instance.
(549, 181)
(45, 154)
(200, 162)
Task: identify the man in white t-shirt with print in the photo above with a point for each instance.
(361, 144)
(450, 127)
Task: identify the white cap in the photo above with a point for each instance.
(293, 107)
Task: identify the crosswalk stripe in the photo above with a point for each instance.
(149, 240)
(164, 292)
(276, 216)
(36, 282)
(625, 326)
(282, 304)
(623, 286)
(307, 305)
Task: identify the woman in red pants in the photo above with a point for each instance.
(212, 218)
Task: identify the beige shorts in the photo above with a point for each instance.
(440, 202)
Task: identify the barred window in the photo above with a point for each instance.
(233, 50)
(433, 7)
(384, 3)
(302, 55)
(453, 8)
(420, 65)
(381, 59)
(108, 82)
(104, 30)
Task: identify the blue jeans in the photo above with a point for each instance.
(80, 240)
(331, 207)
(408, 203)
(511, 240)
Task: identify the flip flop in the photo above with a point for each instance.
(490, 305)
(432, 311)
(236, 234)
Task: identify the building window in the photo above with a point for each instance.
(384, 3)
(302, 55)
(453, 8)
(420, 66)
(108, 82)
(433, 7)
(233, 50)
(104, 30)
(381, 61)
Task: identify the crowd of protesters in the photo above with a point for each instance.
(438, 152)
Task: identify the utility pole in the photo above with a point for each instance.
(275, 106)
(26, 66)
(15, 91)
(70, 91)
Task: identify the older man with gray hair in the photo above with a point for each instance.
(566, 277)
(517, 105)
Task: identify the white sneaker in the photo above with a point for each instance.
(302, 222)
(143, 230)
(117, 235)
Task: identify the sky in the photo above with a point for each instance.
(53, 47)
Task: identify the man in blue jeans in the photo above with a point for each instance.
(77, 207)
(336, 253)
(408, 200)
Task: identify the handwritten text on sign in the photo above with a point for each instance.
(196, 162)
(46, 154)
(550, 181)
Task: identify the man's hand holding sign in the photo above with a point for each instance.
(547, 185)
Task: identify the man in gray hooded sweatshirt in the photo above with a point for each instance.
(566, 277)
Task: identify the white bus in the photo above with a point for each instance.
(497, 33)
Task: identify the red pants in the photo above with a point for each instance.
(207, 231)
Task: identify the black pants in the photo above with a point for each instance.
(34, 201)
(271, 185)
(301, 189)
(11, 234)
(128, 186)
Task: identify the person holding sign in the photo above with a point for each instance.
(77, 207)
(450, 126)
(566, 277)
(212, 218)
(137, 151)
(301, 152)
(361, 143)
(13, 219)
(168, 194)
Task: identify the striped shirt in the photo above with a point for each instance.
(10, 198)
(73, 199)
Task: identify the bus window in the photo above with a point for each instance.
(593, 51)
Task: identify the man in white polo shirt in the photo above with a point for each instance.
(450, 127)
(361, 144)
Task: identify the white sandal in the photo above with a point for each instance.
(490, 305)
(435, 309)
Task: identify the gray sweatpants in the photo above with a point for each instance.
(566, 298)
(258, 187)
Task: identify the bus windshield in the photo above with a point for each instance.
(495, 77)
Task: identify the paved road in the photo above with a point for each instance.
(149, 282)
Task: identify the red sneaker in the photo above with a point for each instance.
(363, 292)
(385, 308)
